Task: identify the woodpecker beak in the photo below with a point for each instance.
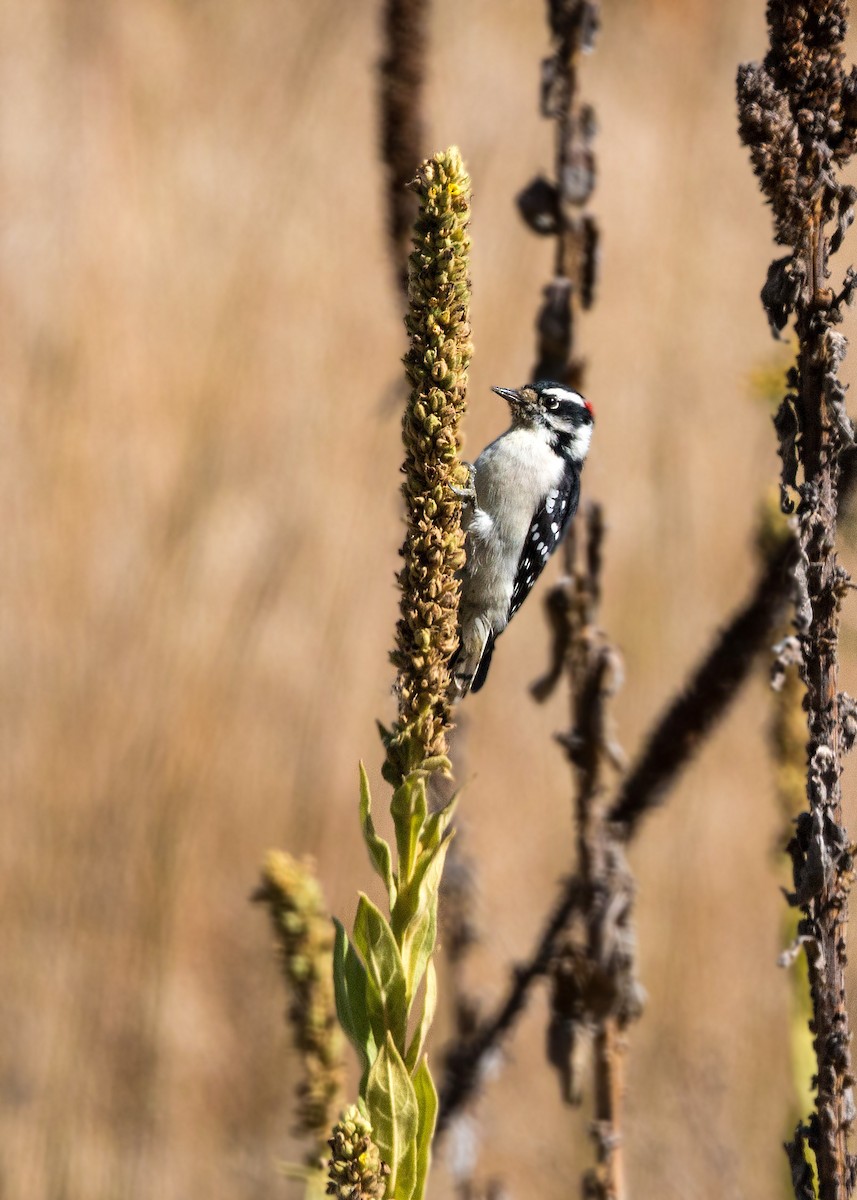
(513, 397)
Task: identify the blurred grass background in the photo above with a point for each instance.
(198, 475)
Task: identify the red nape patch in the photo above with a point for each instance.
(589, 408)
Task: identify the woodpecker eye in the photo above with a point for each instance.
(551, 403)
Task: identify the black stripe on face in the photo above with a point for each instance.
(564, 403)
(574, 413)
(563, 441)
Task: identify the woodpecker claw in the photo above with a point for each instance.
(467, 494)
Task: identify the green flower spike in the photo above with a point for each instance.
(304, 932)
(355, 1169)
(433, 552)
(385, 982)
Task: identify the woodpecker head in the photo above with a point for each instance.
(562, 416)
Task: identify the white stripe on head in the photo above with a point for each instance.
(561, 393)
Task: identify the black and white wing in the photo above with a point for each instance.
(544, 535)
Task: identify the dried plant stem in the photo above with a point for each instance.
(463, 1061)
(595, 992)
(609, 1059)
(558, 208)
(707, 692)
(675, 735)
(402, 72)
(713, 684)
(593, 977)
(573, 26)
(787, 740)
(592, 980)
(798, 117)
(826, 914)
(715, 681)
(580, 971)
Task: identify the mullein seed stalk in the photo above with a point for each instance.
(798, 117)
(433, 551)
(304, 934)
(355, 1170)
(787, 740)
(384, 974)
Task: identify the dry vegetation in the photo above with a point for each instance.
(199, 481)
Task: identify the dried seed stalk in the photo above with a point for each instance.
(433, 552)
(676, 734)
(558, 208)
(595, 991)
(798, 117)
(304, 933)
(402, 72)
(704, 697)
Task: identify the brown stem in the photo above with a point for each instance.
(402, 73)
(594, 972)
(463, 1061)
(797, 116)
(703, 699)
(559, 207)
(826, 913)
(608, 1065)
(676, 735)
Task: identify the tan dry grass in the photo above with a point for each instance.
(199, 474)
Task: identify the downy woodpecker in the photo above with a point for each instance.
(522, 492)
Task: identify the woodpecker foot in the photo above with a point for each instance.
(467, 494)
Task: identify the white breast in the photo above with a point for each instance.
(513, 476)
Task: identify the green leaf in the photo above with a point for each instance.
(373, 937)
(438, 762)
(429, 869)
(351, 987)
(429, 1005)
(436, 825)
(422, 887)
(378, 849)
(394, 1113)
(418, 941)
(408, 809)
(427, 1103)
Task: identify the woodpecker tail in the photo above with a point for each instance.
(484, 663)
(470, 663)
